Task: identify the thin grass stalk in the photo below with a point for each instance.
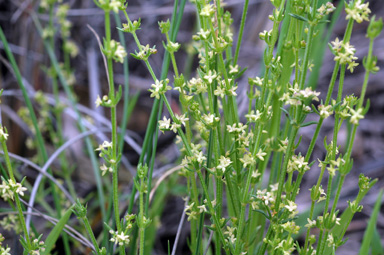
(70, 96)
(241, 30)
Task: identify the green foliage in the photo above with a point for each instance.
(240, 170)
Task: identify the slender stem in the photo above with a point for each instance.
(142, 226)
(91, 234)
(17, 199)
(241, 30)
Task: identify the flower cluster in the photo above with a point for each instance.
(114, 5)
(291, 207)
(230, 234)
(11, 223)
(325, 111)
(297, 163)
(38, 246)
(105, 152)
(265, 197)
(119, 238)
(297, 97)
(131, 27)
(345, 53)
(325, 9)
(114, 50)
(122, 238)
(9, 188)
(193, 210)
(144, 52)
(357, 10)
(104, 101)
(159, 88)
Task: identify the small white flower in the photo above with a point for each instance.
(173, 46)
(175, 126)
(200, 157)
(252, 116)
(210, 119)
(164, 124)
(182, 118)
(255, 174)
(210, 76)
(3, 134)
(104, 169)
(103, 146)
(5, 251)
(233, 69)
(325, 111)
(247, 160)
(159, 88)
(203, 34)
(207, 10)
(117, 51)
(220, 91)
(260, 154)
(115, 5)
(356, 116)
(202, 208)
(9, 189)
(189, 207)
(223, 163)
(120, 239)
(18, 188)
(311, 223)
(120, 53)
(98, 101)
(291, 206)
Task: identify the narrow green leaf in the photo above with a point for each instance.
(369, 232)
(306, 124)
(56, 232)
(263, 213)
(377, 248)
(298, 17)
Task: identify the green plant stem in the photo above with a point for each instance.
(241, 30)
(141, 208)
(285, 165)
(212, 211)
(91, 234)
(115, 182)
(304, 68)
(309, 229)
(17, 199)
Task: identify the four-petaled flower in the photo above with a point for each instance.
(210, 76)
(3, 134)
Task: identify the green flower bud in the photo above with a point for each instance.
(142, 171)
(164, 26)
(374, 28)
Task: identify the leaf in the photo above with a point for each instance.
(306, 124)
(298, 17)
(377, 248)
(370, 230)
(57, 231)
(263, 213)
